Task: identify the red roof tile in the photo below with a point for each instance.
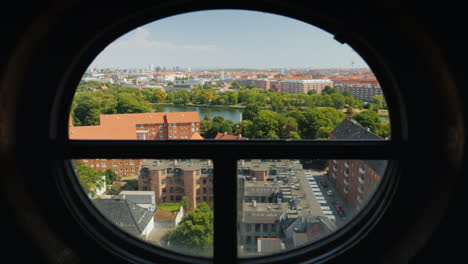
(227, 136)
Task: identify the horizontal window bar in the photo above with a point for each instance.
(231, 149)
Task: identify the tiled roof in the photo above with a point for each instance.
(182, 117)
(347, 129)
(125, 214)
(123, 126)
(196, 136)
(227, 136)
(112, 132)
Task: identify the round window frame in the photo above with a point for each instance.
(348, 235)
(455, 155)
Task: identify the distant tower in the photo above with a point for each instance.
(352, 64)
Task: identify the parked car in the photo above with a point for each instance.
(341, 212)
(324, 183)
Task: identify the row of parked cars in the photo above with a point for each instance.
(319, 196)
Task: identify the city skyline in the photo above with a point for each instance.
(228, 39)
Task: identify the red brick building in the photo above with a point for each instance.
(355, 180)
(141, 126)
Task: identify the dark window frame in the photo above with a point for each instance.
(225, 156)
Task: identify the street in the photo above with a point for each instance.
(321, 185)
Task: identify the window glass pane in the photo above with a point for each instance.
(210, 75)
(292, 203)
(158, 202)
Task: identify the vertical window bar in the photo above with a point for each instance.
(225, 210)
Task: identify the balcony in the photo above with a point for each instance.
(346, 181)
(346, 173)
(361, 180)
(360, 190)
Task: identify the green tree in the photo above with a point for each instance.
(379, 101)
(244, 128)
(287, 126)
(158, 96)
(111, 176)
(324, 132)
(293, 135)
(235, 85)
(205, 125)
(339, 100)
(184, 202)
(219, 125)
(265, 125)
(384, 131)
(369, 119)
(90, 178)
(194, 234)
(130, 103)
(329, 90)
(250, 112)
(87, 112)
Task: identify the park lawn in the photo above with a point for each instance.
(168, 206)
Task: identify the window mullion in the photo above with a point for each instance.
(280, 150)
(225, 209)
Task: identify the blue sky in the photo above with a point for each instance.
(228, 39)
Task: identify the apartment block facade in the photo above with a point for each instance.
(356, 180)
(171, 180)
(139, 126)
(304, 86)
(363, 90)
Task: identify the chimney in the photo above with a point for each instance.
(349, 116)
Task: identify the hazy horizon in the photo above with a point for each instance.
(223, 39)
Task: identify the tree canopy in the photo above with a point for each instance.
(194, 234)
(90, 178)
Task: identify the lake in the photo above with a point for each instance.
(235, 115)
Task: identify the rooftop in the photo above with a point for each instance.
(124, 126)
(227, 136)
(125, 214)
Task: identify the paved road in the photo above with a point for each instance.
(319, 176)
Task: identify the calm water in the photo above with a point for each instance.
(235, 115)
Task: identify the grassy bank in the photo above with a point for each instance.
(169, 206)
